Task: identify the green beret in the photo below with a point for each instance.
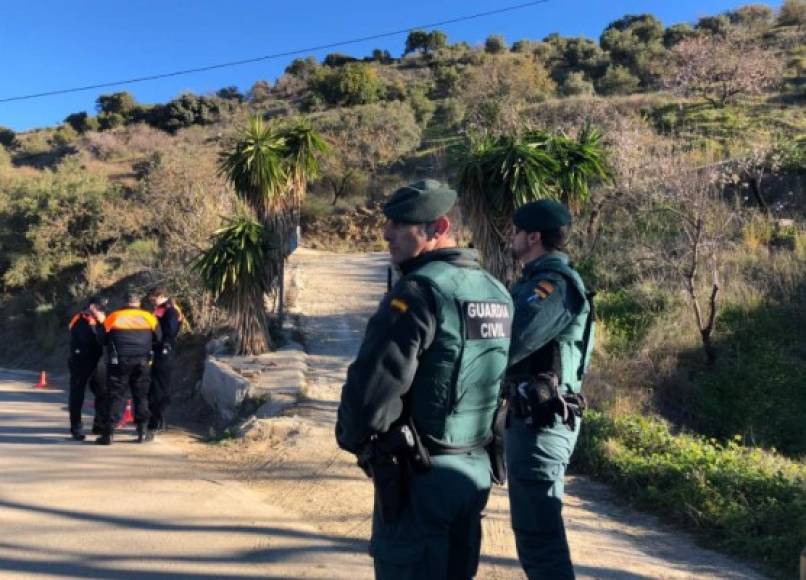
(541, 215)
(420, 202)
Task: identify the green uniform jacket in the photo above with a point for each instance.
(548, 306)
(422, 338)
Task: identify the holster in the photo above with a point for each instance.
(389, 459)
(538, 401)
(495, 448)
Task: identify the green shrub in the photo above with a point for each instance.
(447, 79)
(793, 13)
(186, 110)
(5, 159)
(576, 84)
(7, 136)
(120, 103)
(315, 207)
(422, 106)
(756, 387)
(677, 33)
(617, 80)
(337, 59)
(352, 84)
(495, 44)
(63, 136)
(82, 122)
(746, 501)
(110, 120)
(33, 143)
(627, 314)
(451, 113)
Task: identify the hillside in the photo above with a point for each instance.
(704, 127)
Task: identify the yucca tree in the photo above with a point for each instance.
(303, 146)
(233, 270)
(581, 162)
(495, 177)
(498, 175)
(269, 169)
(256, 167)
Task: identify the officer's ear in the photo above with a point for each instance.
(439, 227)
(534, 238)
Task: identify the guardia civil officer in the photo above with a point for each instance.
(551, 344)
(418, 402)
(131, 334)
(170, 319)
(86, 347)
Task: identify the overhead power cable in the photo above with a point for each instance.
(275, 55)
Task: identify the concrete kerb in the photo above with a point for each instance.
(275, 378)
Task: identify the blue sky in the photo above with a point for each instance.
(53, 44)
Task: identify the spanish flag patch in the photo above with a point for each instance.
(544, 289)
(399, 305)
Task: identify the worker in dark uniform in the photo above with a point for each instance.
(552, 338)
(170, 318)
(131, 334)
(86, 348)
(418, 402)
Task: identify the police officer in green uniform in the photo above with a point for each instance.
(551, 344)
(419, 399)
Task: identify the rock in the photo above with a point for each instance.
(222, 388)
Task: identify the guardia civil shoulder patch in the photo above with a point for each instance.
(399, 305)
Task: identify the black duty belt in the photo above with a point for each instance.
(438, 448)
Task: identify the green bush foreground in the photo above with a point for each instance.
(745, 500)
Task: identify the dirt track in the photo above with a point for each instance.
(293, 463)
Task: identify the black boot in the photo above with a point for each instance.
(144, 434)
(96, 429)
(77, 433)
(156, 424)
(104, 439)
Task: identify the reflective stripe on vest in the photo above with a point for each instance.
(130, 319)
(91, 320)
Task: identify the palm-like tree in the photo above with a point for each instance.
(582, 161)
(233, 270)
(256, 168)
(495, 177)
(303, 146)
(498, 175)
(269, 169)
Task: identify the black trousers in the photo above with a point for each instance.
(82, 374)
(159, 394)
(129, 375)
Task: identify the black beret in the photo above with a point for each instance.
(420, 202)
(541, 215)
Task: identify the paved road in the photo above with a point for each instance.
(78, 510)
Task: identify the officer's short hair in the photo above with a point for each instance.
(158, 291)
(133, 296)
(555, 239)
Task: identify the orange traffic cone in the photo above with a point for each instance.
(128, 417)
(43, 381)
